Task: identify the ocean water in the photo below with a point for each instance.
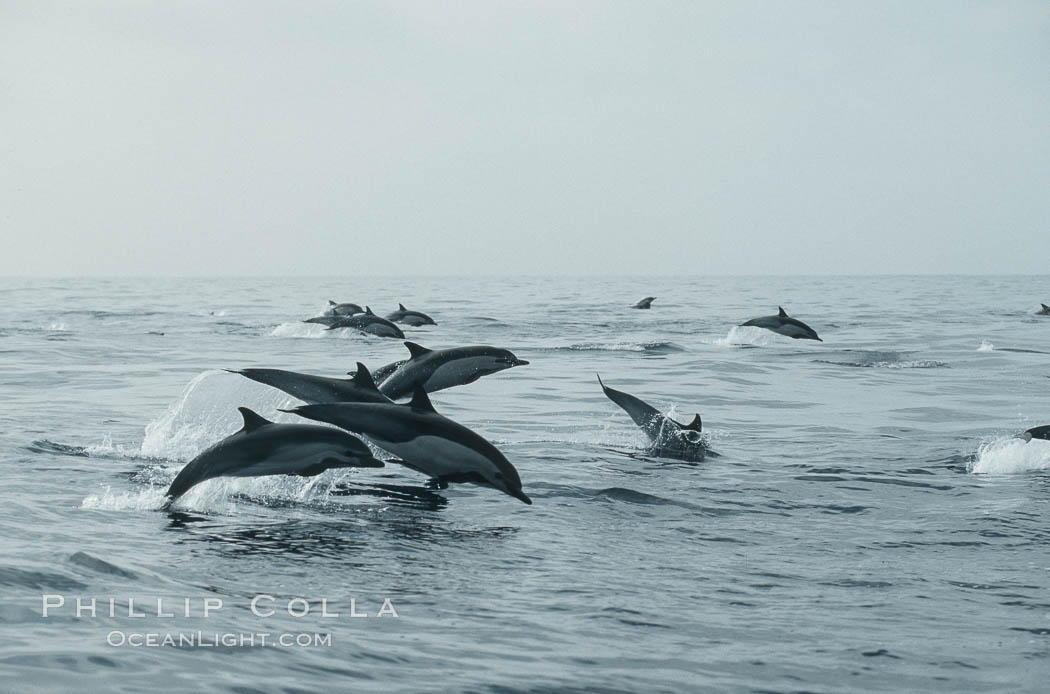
(870, 524)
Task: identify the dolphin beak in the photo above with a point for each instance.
(518, 494)
(519, 362)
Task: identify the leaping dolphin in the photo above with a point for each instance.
(317, 390)
(344, 309)
(670, 438)
(413, 318)
(1044, 311)
(262, 447)
(782, 324)
(437, 369)
(645, 303)
(369, 322)
(425, 441)
(1042, 432)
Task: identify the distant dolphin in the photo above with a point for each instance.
(437, 369)
(1042, 432)
(369, 322)
(784, 325)
(414, 318)
(670, 439)
(263, 448)
(1044, 311)
(425, 441)
(645, 303)
(346, 309)
(317, 390)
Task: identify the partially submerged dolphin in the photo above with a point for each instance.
(670, 439)
(319, 389)
(425, 441)
(1042, 432)
(344, 309)
(645, 303)
(369, 322)
(1044, 311)
(782, 324)
(263, 448)
(414, 318)
(437, 369)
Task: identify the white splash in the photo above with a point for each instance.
(139, 500)
(207, 412)
(300, 329)
(1011, 455)
(986, 346)
(746, 335)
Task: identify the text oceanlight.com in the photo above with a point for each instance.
(204, 639)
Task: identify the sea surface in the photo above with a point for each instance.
(870, 525)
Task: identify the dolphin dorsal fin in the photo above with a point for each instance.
(363, 378)
(332, 303)
(402, 307)
(417, 351)
(369, 311)
(695, 425)
(783, 313)
(421, 401)
(1045, 307)
(252, 420)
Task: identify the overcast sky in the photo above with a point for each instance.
(325, 138)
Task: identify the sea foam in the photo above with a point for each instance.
(1011, 455)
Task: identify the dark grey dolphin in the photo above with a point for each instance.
(425, 441)
(645, 303)
(782, 324)
(319, 389)
(1044, 311)
(369, 322)
(1042, 432)
(383, 372)
(263, 448)
(327, 319)
(413, 318)
(437, 369)
(670, 439)
(345, 309)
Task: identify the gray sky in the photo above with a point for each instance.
(198, 137)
